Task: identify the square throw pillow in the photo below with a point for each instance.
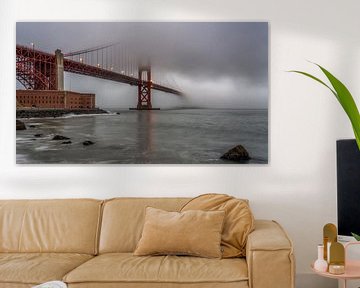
(238, 223)
(193, 232)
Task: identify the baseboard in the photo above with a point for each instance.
(310, 280)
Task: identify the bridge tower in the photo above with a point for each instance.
(144, 88)
(59, 70)
(37, 70)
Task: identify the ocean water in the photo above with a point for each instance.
(184, 136)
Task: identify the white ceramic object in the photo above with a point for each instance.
(52, 284)
(320, 264)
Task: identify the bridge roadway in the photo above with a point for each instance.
(24, 53)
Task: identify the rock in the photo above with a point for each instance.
(60, 137)
(20, 125)
(238, 154)
(38, 135)
(88, 142)
(32, 126)
(66, 142)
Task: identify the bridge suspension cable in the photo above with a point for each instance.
(114, 57)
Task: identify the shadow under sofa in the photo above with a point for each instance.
(90, 243)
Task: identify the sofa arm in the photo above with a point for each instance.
(269, 256)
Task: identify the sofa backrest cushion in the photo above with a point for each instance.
(123, 220)
(239, 220)
(64, 226)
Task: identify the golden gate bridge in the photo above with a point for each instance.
(39, 70)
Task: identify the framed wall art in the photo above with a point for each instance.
(142, 92)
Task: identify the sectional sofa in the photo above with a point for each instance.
(90, 243)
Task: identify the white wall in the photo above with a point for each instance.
(297, 188)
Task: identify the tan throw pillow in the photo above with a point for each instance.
(239, 220)
(196, 233)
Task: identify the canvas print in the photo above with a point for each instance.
(142, 93)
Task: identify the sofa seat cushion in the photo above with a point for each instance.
(127, 268)
(36, 268)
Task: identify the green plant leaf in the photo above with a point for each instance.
(344, 97)
(346, 100)
(316, 79)
(357, 237)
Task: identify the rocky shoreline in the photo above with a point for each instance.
(54, 113)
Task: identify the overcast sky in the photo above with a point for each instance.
(220, 65)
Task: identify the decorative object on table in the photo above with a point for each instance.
(349, 271)
(336, 269)
(320, 264)
(344, 97)
(52, 284)
(337, 258)
(333, 252)
(329, 236)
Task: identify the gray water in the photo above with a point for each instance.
(198, 136)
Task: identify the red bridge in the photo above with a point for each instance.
(38, 70)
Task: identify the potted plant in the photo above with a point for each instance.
(348, 187)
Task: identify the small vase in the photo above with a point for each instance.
(320, 264)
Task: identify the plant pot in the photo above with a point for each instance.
(348, 187)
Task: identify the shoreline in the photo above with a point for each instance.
(135, 138)
(55, 113)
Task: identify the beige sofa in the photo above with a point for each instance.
(89, 243)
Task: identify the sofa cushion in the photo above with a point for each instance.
(36, 268)
(126, 268)
(123, 220)
(239, 220)
(62, 226)
(193, 232)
